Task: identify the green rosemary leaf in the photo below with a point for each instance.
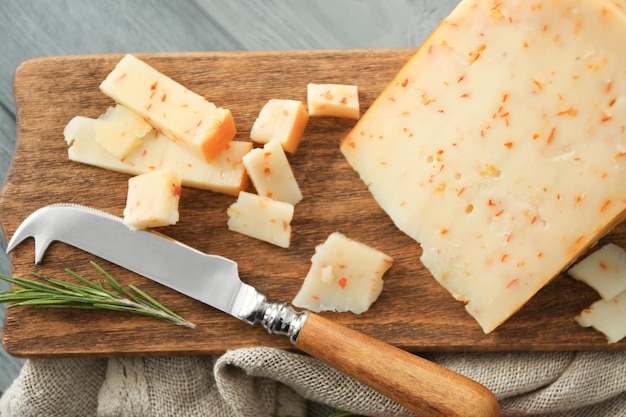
(67, 306)
(112, 282)
(30, 284)
(153, 302)
(21, 295)
(79, 289)
(85, 281)
(39, 301)
(147, 312)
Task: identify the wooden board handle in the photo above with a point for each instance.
(421, 386)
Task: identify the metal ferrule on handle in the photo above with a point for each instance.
(277, 318)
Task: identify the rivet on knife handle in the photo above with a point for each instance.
(420, 385)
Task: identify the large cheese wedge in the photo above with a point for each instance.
(271, 174)
(152, 199)
(179, 113)
(345, 275)
(225, 174)
(501, 145)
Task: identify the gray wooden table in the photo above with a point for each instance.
(31, 28)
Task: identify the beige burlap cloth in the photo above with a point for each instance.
(257, 382)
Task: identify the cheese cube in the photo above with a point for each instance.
(120, 130)
(152, 199)
(179, 113)
(225, 174)
(607, 316)
(282, 120)
(336, 100)
(345, 275)
(271, 174)
(482, 149)
(604, 270)
(261, 218)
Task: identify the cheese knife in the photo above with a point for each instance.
(420, 385)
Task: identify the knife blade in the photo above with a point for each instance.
(420, 385)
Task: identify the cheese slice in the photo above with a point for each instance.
(607, 316)
(152, 199)
(337, 100)
(225, 174)
(271, 174)
(179, 113)
(282, 120)
(500, 146)
(345, 275)
(261, 218)
(120, 130)
(604, 270)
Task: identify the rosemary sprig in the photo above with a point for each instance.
(108, 295)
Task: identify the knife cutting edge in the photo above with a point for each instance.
(421, 386)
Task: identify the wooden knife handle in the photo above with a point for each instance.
(421, 386)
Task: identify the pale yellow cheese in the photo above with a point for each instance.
(261, 218)
(337, 100)
(179, 113)
(607, 316)
(604, 270)
(152, 199)
(225, 174)
(345, 275)
(500, 146)
(80, 135)
(120, 130)
(281, 120)
(271, 174)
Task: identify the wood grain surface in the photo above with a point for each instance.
(413, 311)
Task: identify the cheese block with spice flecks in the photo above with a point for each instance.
(500, 146)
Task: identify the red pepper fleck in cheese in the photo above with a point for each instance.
(500, 145)
(179, 113)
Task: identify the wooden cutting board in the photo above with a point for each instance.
(413, 311)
